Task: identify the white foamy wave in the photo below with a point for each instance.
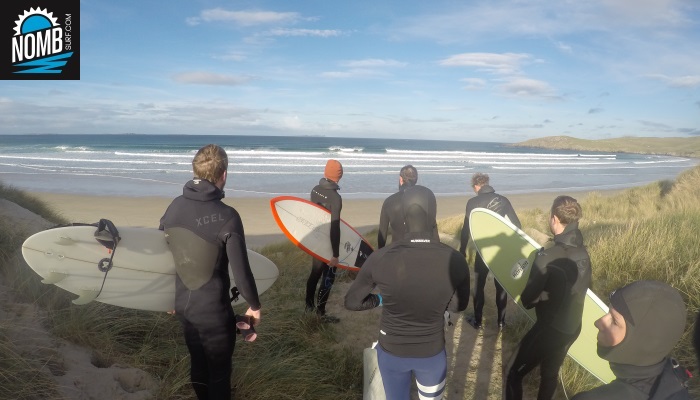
(339, 149)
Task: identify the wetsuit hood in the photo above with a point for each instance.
(571, 236)
(202, 190)
(419, 209)
(486, 189)
(655, 318)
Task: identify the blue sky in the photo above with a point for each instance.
(502, 70)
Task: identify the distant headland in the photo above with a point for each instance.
(673, 146)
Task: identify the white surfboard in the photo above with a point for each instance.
(142, 275)
(307, 225)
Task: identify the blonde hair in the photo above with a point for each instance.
(210, 163)
(567, 209)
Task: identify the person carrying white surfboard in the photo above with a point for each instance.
(418, 279)
(486, 197)
(326, 195)
(391, 215)
(644, 323)
(205, 236)
(556, 288)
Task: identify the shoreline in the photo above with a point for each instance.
(260, 227)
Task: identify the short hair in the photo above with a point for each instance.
(480, 179)
(409, 174)
(210, 163)
(567, 209)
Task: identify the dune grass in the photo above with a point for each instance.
(648, 232)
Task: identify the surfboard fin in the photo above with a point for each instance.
(86, 296)
(54, 277)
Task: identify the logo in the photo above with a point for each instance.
(519, 268)
(42, 41)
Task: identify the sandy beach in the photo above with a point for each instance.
(260, 227)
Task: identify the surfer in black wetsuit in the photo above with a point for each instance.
(326, 195)
(645, 321)
(392, 213)
(486, 197)
(418, 279)
(556, 288)
(205, 236)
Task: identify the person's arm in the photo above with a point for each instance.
(459, 273)
(535, 283)
(336, 207)
(383, 226)
(512, 216)
(465, 235)
(240, 267)
(359, 296)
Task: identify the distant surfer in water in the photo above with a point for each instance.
(418, 279)
(486, 197)
(645, 321)
(556, 288)
(391, 215)
(205, 236)
(326, 195)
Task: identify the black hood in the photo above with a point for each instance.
(419, 209)
(655, 318)
(202, 190)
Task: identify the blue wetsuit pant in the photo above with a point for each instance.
(319, 271)
(430, 373)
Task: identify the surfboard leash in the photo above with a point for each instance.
(108, 236)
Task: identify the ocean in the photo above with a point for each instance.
(264, 166)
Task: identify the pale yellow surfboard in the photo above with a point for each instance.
(509, 254)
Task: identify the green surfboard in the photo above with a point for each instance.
(509, 254)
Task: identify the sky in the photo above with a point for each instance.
(492, 70)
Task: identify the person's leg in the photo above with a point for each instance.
(396, 375)
(480, 274)
(327, 279)
(529, 355)
(218, 340)
(317, 268)
(199, 371)
(558, 345)
(501, 303)
(431, 374)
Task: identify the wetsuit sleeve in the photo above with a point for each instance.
(336, 206)
(240, 266)
(535, 282)
(383, 226)
(466, 234)
(459, 273)
(359, 296)
(512, 216)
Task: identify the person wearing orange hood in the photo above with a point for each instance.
(326, 195)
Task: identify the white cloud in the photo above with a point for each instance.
(528, 88)
(305, 32)
(505, 63)
(689, 81)
(243, 18)
(473, 83)
(353, 73)
(373, 63)
(210, 78)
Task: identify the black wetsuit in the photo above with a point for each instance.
(486, 198)
(205, 236)
(696, 337)
(391, 215)
(556, 287)
(653, 382)
(418, 278)
(326, 195)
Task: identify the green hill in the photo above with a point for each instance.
(682, 147)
